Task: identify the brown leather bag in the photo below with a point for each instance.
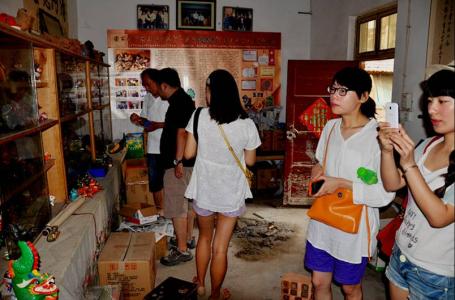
(337, 209)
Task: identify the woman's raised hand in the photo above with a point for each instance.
(404, 145)
(385, 132)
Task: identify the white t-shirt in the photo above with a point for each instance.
(218, 184)
(154, 109)
(428, 247)
(344, 157)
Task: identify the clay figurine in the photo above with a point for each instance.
(28, 283)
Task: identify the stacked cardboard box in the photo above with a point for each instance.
(128, 259)
(136, 180)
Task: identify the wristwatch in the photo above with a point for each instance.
(177, 162)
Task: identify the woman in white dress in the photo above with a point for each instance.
(218, 185)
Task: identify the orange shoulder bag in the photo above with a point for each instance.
(337, 209)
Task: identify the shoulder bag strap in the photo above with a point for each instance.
(326, 149)
(232, 151)
(195, 123)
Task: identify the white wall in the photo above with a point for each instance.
(96, 17)
(10, 7)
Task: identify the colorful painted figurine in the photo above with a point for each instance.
(28, 283)
(367, 176)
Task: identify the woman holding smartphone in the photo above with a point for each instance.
(332, 254)
(422, 261)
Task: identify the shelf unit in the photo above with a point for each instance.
(53, 103)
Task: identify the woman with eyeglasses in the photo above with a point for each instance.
(332, 254)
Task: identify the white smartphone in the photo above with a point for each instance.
(391, 114)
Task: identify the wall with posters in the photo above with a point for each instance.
(254, 59)
(96, 17)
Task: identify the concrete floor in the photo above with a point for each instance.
(260, 280)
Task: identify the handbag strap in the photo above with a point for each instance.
(195, 123)
(366, 208)
(232, 151)
(326, 149)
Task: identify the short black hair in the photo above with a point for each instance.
(151, 73)
(169, 76)
(441, 83)
(357, 80)
(225, 105)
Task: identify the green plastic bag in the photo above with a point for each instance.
(134, 145)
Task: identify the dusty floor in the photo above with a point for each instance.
(251, 280)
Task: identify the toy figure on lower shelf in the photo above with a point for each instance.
(28, 283)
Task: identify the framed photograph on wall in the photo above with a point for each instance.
(153, 17)
(237, 19)
(196, 14)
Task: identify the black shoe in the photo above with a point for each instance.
(190, 244)
(176, 257)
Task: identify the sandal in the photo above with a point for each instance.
(224, 295)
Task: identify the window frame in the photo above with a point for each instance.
(375, 15)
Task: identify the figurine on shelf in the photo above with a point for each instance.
(24, 19)
(28, 283)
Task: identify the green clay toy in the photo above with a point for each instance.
(367, 176)
(28, 283)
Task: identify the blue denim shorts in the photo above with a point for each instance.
(420, 283)
(343, 272)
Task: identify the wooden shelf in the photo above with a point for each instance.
(72, 117)
(39, 41)
(100, 106)
(26, 183)
(6, 138)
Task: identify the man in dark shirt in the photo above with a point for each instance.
(178, 170)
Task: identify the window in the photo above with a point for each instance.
(375, 34)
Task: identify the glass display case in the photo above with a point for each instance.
(49, 130)
(76, 149)
(99, 76)
(24, 195)
(71, 82)
(18, 105)
(103, 129)
(25, 201)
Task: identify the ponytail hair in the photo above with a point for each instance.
(368, 108)
(449, 177)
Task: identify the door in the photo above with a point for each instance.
(307, 111)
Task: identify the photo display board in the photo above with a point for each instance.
(253, 58)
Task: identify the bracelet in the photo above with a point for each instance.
(409, 168)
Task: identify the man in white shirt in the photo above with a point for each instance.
(152, 119)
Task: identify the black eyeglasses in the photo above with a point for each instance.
(342, 91)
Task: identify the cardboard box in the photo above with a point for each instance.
(160, 245)
(296, 286)
(128, 258)
(136, 180)
(139, 213)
